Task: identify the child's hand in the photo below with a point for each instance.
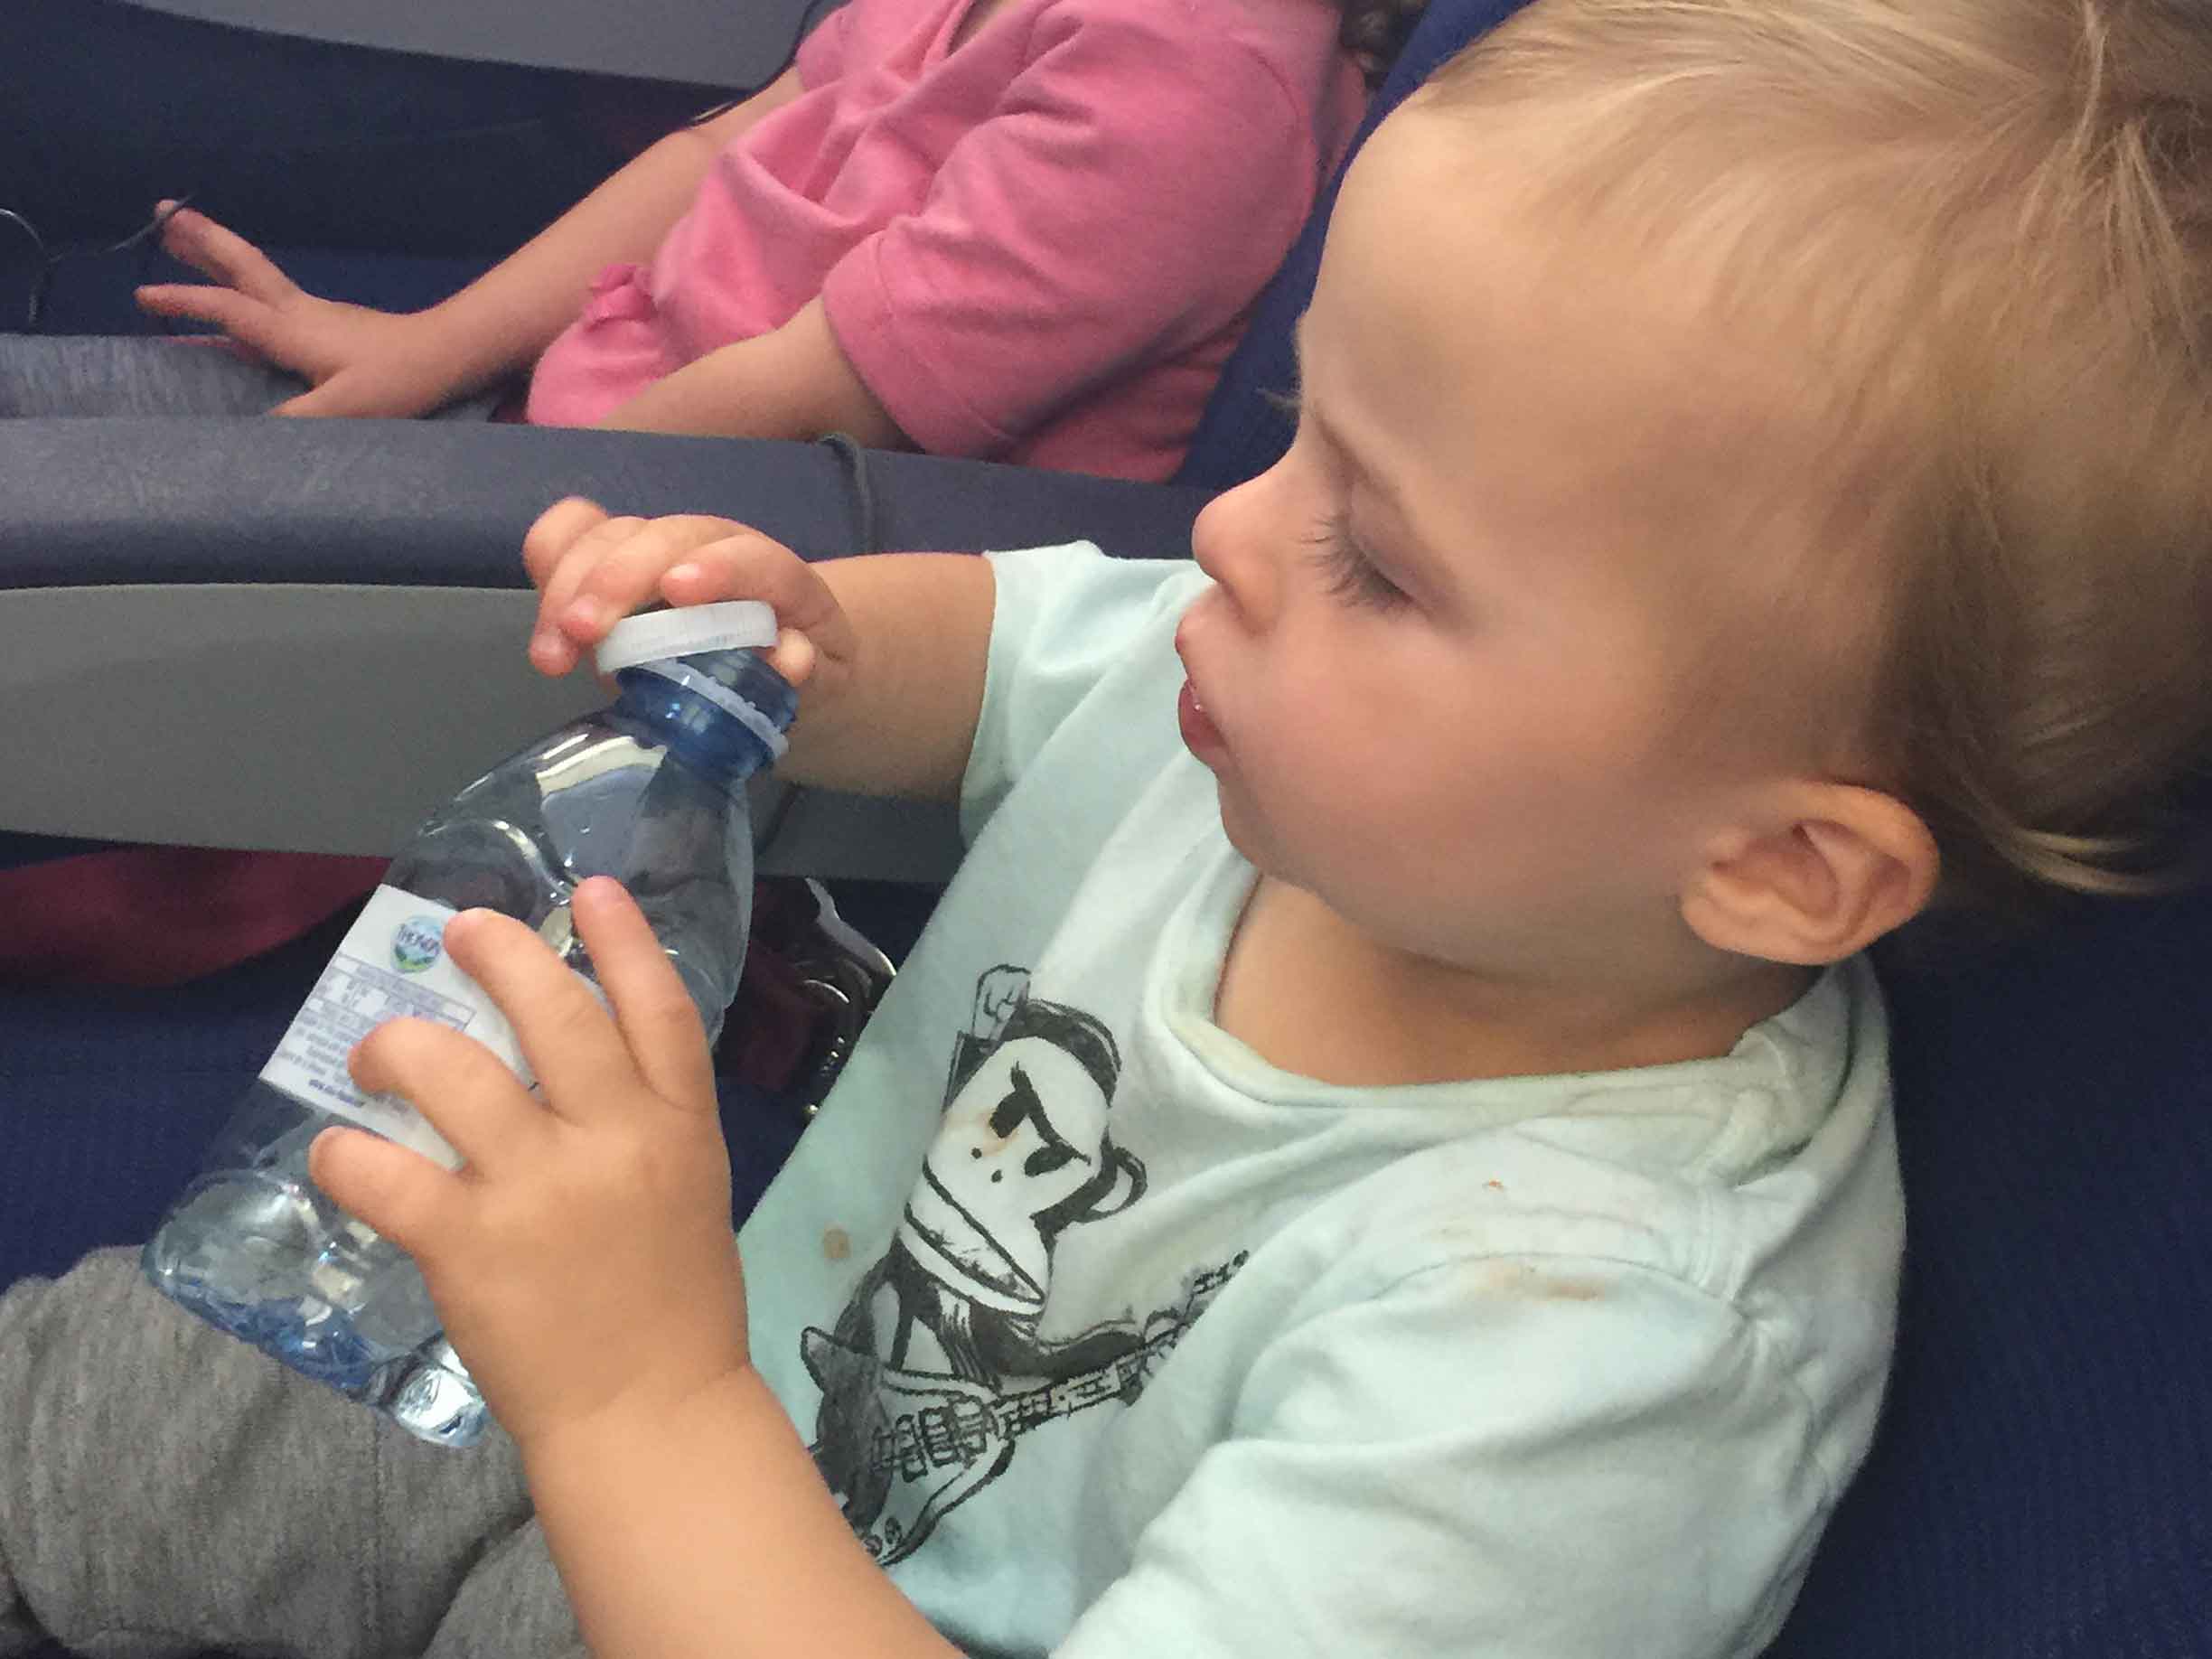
(582, 1258)
(359, 362)
(592, 569)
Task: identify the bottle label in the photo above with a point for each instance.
(392, 964)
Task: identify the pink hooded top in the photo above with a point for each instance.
(1037, 246)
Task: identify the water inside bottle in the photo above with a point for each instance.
(255, 1249)
(260, 1252)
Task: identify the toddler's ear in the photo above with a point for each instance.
(1837, 868)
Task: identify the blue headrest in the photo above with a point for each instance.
(1243, 429)
(2042, 1481)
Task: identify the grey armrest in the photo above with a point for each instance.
(305, 635)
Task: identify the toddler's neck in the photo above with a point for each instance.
(1312, 994)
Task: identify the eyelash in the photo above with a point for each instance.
(1351, 574)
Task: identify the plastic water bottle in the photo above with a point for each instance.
(650, 792)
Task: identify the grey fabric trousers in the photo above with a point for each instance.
(165, 1490)
(51, 375)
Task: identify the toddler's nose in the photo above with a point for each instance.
(1230, 541)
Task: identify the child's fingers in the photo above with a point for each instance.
(747, 565)
(625, 573)
(555, 648)
(570, 1041)
(794, 657)
(401, 1194)
(608, 540)
(236, 315)
(652, 1007)
(229, 257)
(556, 529)
(465, 1091)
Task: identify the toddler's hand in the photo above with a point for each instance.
(582, 1257)
(592, 569)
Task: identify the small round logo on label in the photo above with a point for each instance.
(416, 941)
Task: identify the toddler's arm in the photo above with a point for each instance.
(582, 1262)
(367, 363)
(888, 652)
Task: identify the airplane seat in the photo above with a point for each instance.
(385, 158)
(315, 126)
(2037, 1488)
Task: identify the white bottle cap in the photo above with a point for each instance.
(733, 625)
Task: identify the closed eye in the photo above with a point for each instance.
(1351, 575)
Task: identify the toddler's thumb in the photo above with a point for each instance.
(793, 656)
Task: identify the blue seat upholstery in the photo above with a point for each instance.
(110, 1096)
(1246, 425)
(2041, 1484)
(107, 106)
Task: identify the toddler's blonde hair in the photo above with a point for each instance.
(1987, 225)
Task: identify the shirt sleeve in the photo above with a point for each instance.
(1069, 624)
(1517, 1458)
(1075, 233)
(820, 56)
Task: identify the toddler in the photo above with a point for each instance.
(1386, 1146)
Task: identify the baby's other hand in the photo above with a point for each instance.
(582, 1257)
(593, 568)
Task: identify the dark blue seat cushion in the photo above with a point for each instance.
(1245, 426)
(108, 1096)
(107, 107)
(2042, 1486)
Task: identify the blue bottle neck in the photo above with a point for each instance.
(722, 713)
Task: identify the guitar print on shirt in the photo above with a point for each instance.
(936, 1366)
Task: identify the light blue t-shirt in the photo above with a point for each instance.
(1117, 1341)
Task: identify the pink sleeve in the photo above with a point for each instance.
(1077, 232)
(820, 56)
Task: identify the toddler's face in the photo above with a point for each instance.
(1440, 676)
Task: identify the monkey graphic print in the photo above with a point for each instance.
(936, 1369)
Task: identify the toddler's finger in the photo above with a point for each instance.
(461, 1088)
(747, 565)
(554, 532)
(704, 581)
(548, 541)
(558, 640)
(571, 1041)
(651, 1007)
(794, 657)
(628, 575)
(401, 1194)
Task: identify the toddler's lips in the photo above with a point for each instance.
(1200, 734)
